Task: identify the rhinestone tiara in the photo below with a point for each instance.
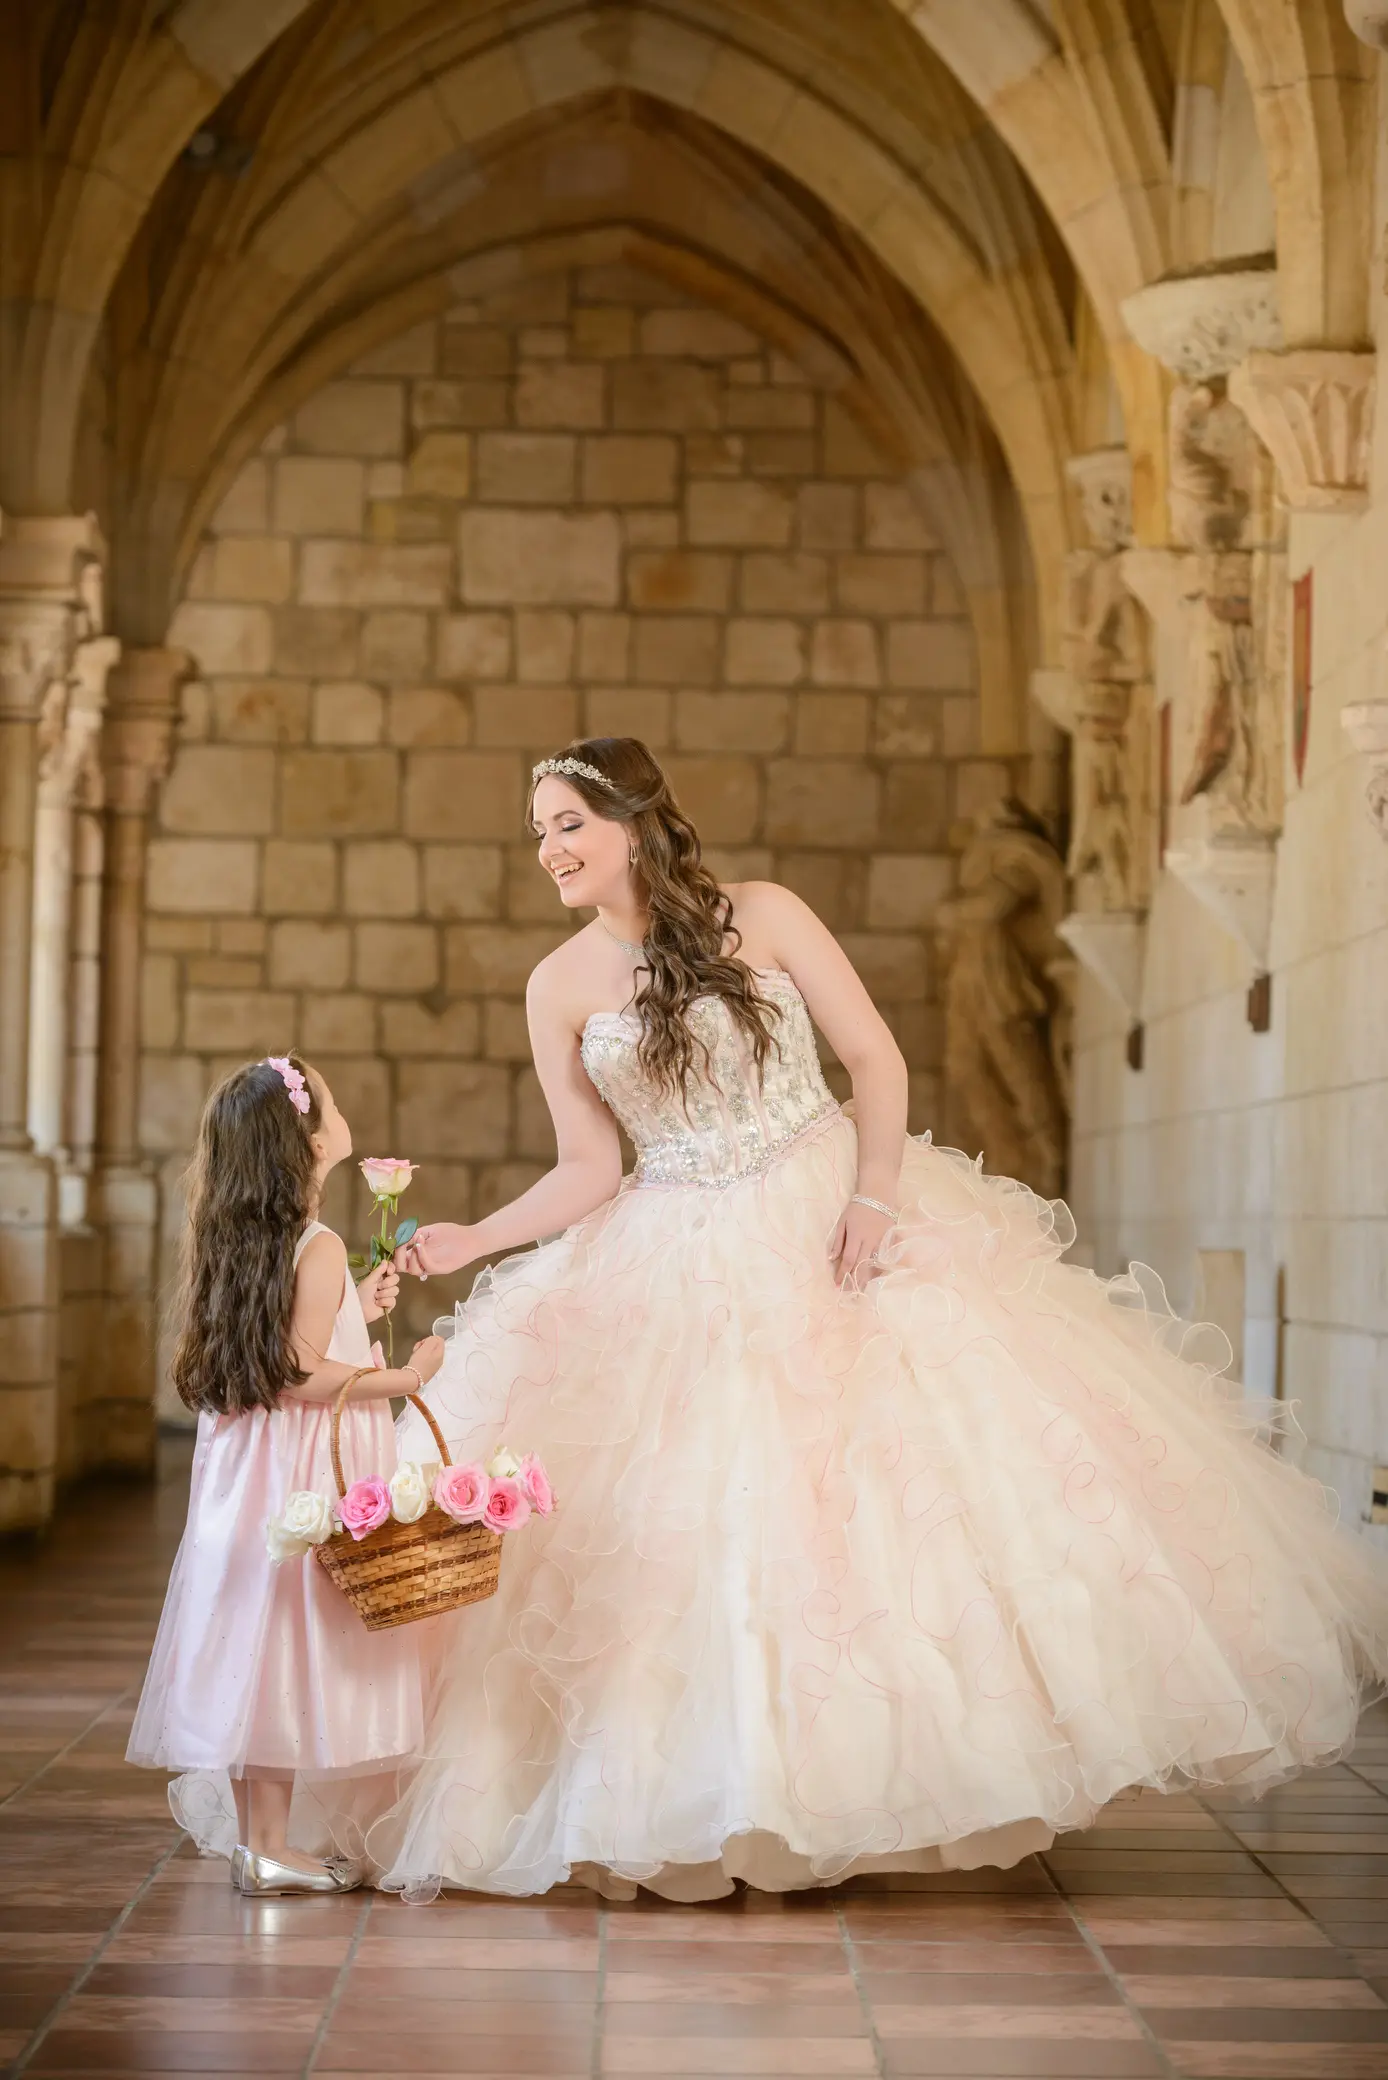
(571, 765)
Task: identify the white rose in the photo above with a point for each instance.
(409, 1492)
(308, 1516)
(505, 1466)
(278, 1543)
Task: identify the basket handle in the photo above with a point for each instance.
(341, 1403)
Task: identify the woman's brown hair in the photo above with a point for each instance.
(251, 1195)
(690, 915)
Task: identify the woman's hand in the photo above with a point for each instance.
(437, 1250)
(425, 1358)
(379, 1291)
(856, 1240)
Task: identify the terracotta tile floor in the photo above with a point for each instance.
(1181, 1936)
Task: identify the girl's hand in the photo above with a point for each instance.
(856, 1241)
(439, 1249)
(426, 1357)
(379, 1291)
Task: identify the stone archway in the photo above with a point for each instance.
(580, 502)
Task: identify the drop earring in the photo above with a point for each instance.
(631, 857)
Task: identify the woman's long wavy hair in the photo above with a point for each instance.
(690, 915)
(252, 1191)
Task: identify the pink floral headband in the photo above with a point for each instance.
(293, 1080)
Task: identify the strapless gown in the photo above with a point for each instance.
(909, 1578)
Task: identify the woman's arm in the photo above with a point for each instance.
(318, 1288)
(589, 1165)
(777, 921)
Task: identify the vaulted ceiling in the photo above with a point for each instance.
(212, 206)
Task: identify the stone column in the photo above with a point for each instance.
(66, 755)
(141, 711)
(42, 588)
(69, 773)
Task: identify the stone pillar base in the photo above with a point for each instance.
(28, 1339)
(118, 1410)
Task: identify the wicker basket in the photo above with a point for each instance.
(401, 1572)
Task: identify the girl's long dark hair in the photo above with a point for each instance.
(251, 1194)
(690, 915)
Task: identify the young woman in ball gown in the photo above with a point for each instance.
(885, 1539)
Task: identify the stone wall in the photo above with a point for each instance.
(583, 506)
(1272, 1144)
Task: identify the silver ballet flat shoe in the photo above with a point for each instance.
(265, 1877)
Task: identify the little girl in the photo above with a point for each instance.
(262, 1673)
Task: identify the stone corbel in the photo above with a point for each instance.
(1365, 723)
(1313, 410)
(1232, 874)
(1203, 325)
(1111, 945)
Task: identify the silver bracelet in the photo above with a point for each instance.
(893, 1213)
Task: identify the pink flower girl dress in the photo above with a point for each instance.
(900, 1579)
(264, 1665)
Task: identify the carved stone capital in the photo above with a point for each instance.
(49, 597)
(70, 752)
(1369, 21)
(1231, 874)
(1110, 944)
(142, 708)
(1104, 480)
(1365, 723)
(1313, 410)
(35, 645)
(1203, 325)
(49, 557)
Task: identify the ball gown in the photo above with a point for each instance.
(264, 1665)
(906, 1578)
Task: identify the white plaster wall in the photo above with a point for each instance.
(1275, 1144)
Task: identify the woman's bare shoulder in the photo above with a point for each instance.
(756, 902)
(560, 983)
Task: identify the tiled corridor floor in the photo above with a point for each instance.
(1181, 1936)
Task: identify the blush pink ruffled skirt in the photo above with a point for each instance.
(909, 1579)
(259, 1666)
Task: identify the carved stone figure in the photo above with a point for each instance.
(1213, 462)
(1103, 651)
(1238, 648)
(1006, 1014)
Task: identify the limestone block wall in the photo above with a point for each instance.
(585, 505)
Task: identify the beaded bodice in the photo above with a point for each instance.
(735, 1123)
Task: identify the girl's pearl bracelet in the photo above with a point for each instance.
(893, 1213)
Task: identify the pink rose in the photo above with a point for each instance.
(365, 1507)
(507, 1505)
(387, 1176)
(535, 1481)
(461, 1492)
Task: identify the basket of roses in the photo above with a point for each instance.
(425, 1541)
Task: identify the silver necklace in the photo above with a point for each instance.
(625, 944)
